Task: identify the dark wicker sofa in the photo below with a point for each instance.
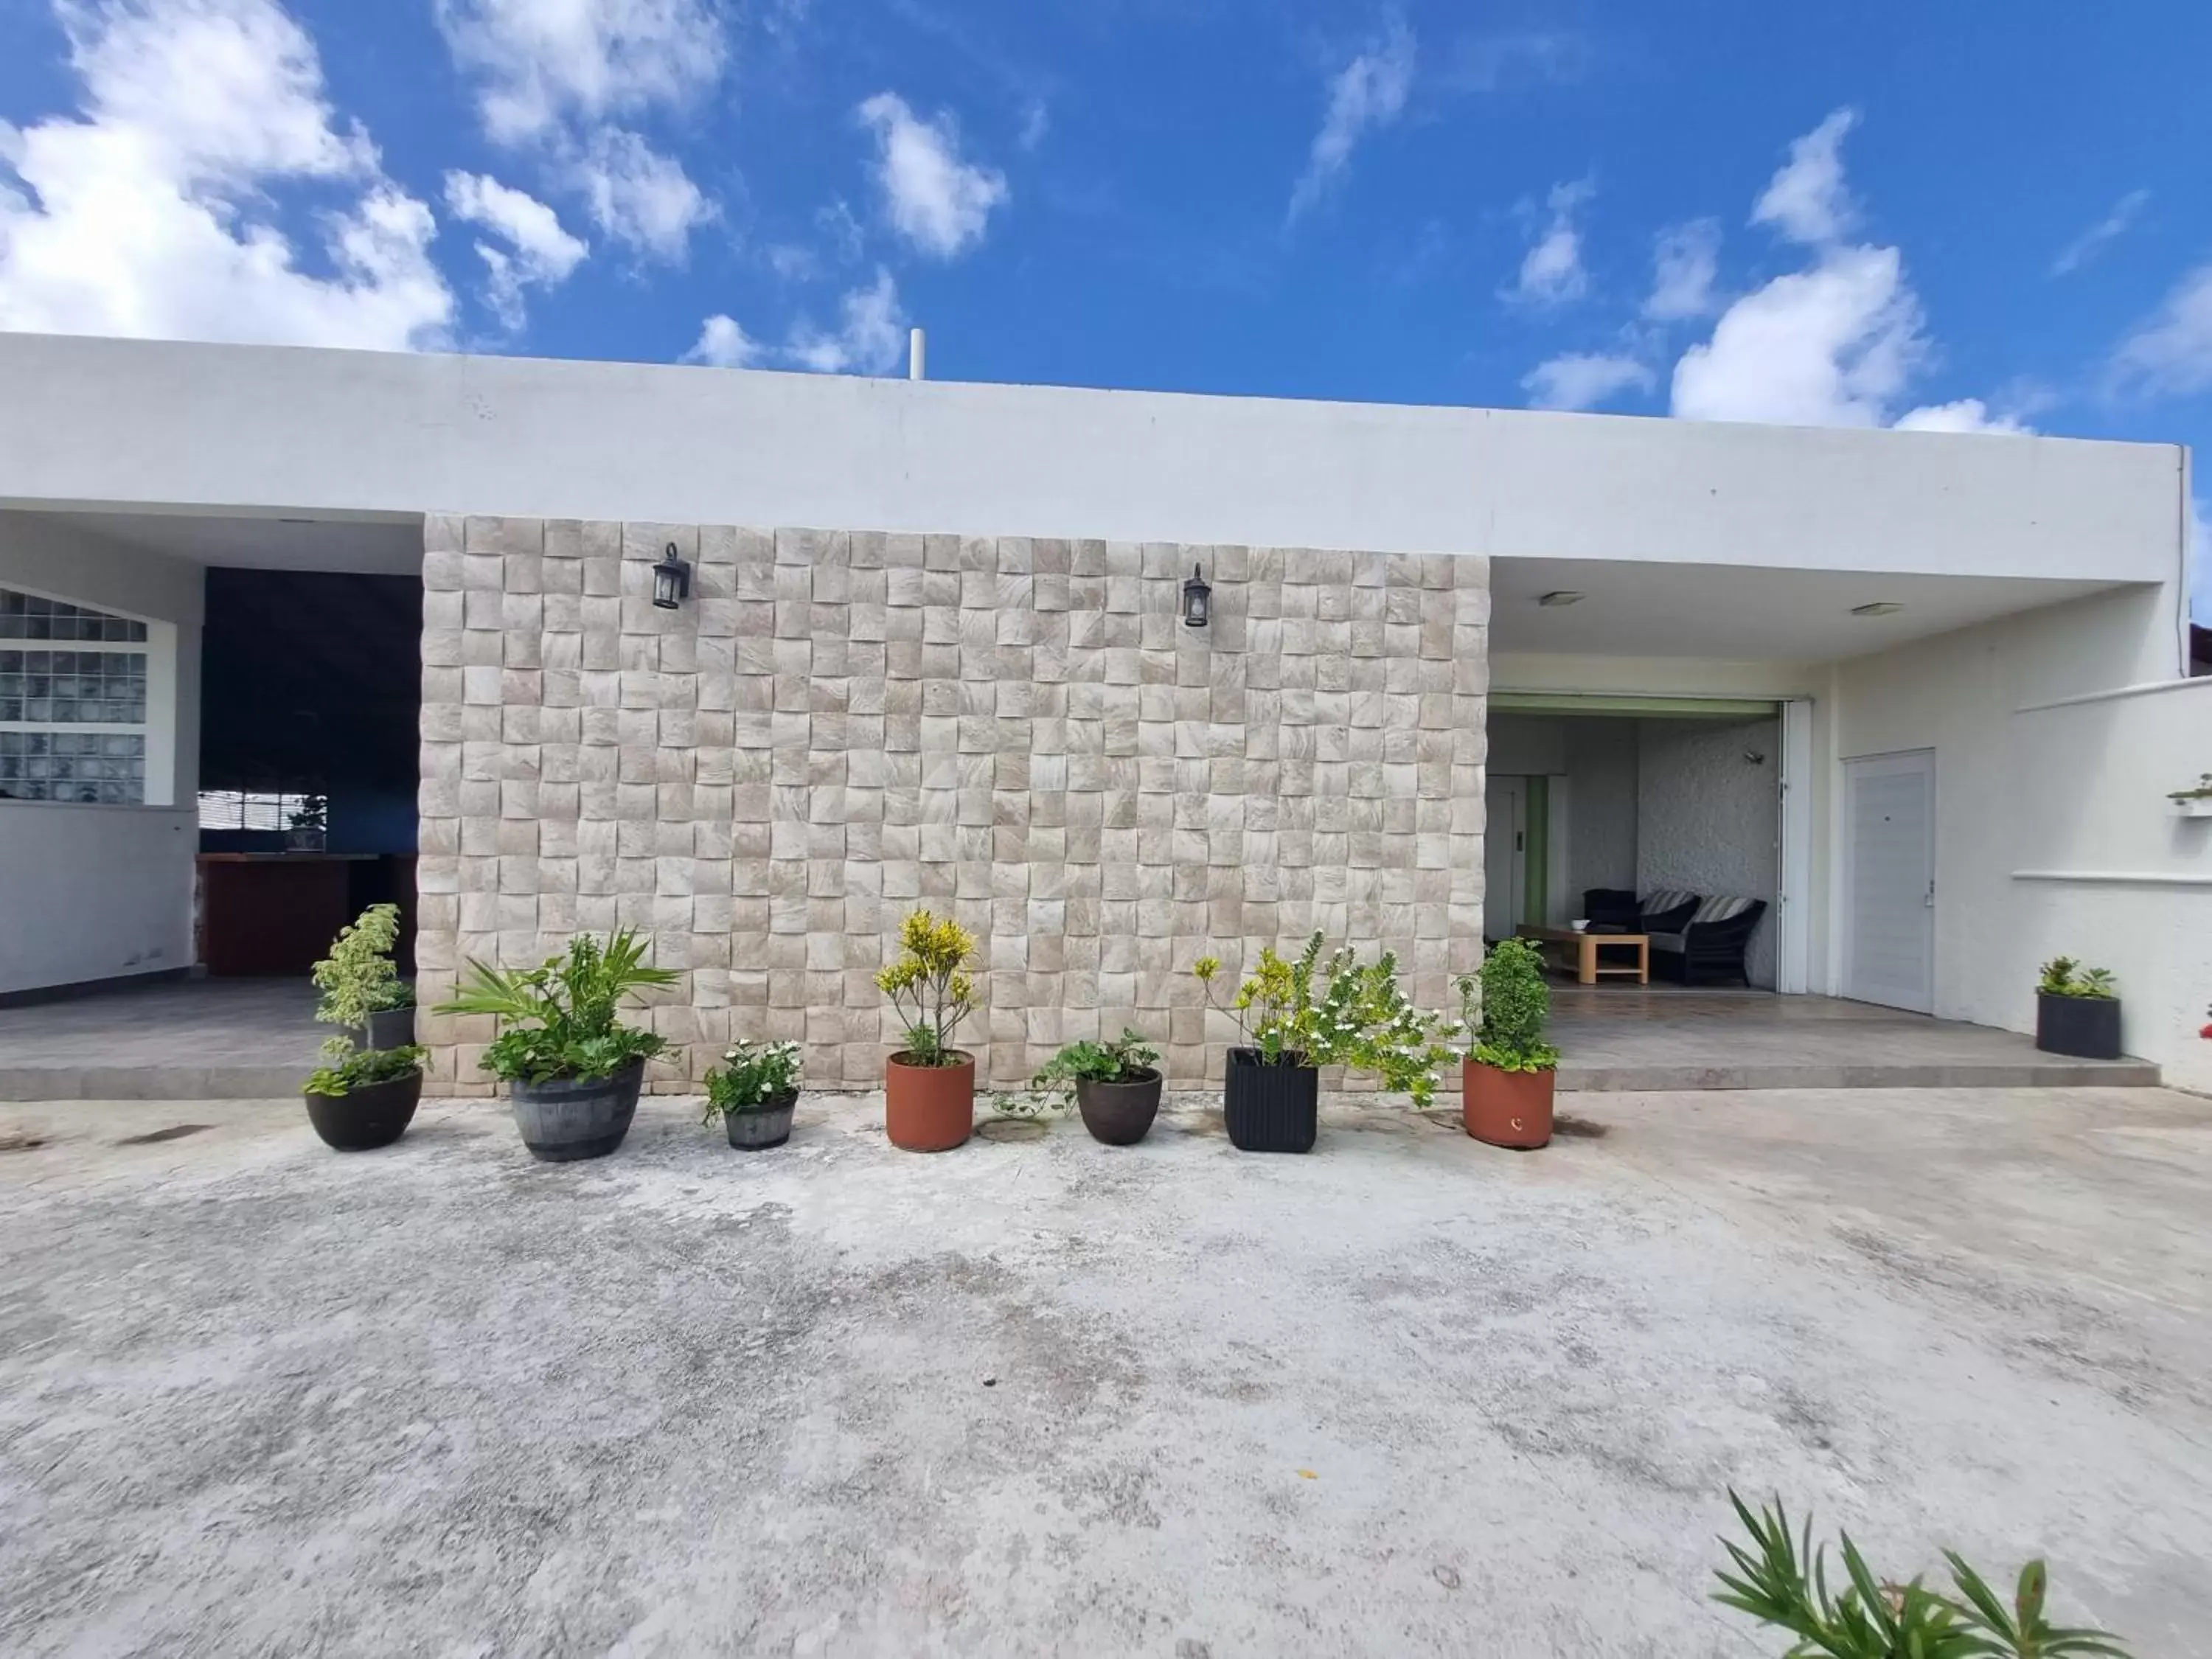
(1709, 947)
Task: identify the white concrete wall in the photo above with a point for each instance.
(2025, 793)
(1709, 820)
(94, 892)
(1601, 790)
(123, 421)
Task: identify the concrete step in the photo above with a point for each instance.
(26, 1083)
(2043, 1072)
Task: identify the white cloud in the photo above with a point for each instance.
(545, 65)
(636, 195)
(1583, 379)
(939, 203)
(2090, 242)
(1552, 273)
(871, 336)
(150, 214)
(1685, 262)
(723, 345)
(1964, 415)
(1367, 93)
(2170, 353)
(1831, 346)
(1807, 200)
(544, 254)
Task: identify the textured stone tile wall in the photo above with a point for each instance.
(841, 726)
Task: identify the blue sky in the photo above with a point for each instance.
(1868, 214)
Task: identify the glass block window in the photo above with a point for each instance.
(91, 767)
(26, 617)
(73, 690)
(73, 687)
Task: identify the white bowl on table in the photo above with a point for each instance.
(1580, 926)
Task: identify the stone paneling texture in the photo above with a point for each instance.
(840, 727)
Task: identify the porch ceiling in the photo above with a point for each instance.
(360, 544)
(1740, 612)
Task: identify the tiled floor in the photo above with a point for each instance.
(256, 1039)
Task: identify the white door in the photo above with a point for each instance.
(1889, 875)
(1504, 856)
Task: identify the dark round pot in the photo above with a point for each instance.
(566, 1120)
(764, 1126)
(929, 1109)
(1271, 1108)
(367, 1118)
(2088, 1028)
(1120, 1113)
(1506, 1109)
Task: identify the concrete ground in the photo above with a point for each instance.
(1408, 1395)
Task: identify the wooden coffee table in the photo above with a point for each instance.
(1577, 953)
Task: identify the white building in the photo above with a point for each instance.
(1921, 693)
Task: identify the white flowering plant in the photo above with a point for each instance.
(753, 1076)
(1337, 1011)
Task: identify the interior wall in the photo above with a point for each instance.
(1708, 817)
(100, 892)
(1601, 784)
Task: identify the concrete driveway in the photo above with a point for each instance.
(1408, 1395)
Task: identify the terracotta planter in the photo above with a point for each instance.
(1119, 1114)
(367, 1118)
(929, 1109)
(1270, 1109)
(765, 1126)
(1506, 1109)
(2088, 1028)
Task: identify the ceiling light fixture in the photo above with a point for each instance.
(1878, 608)
(1562, 596)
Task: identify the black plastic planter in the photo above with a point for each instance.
(764, 1126)
(2087, 1028)
(1120, 1113)
(1271, 1108)
(373, 1116)
(566, 1120)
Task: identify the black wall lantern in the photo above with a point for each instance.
(1197, 601)
(671, 580)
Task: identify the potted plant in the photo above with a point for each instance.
(929, 1086)
(2196, 801)
(362, 992)
(754, 1091)
(1115, 1085)
(308, 828)
(1297, 1017)
(365, 1098)
(2077, 1011)
(572, 1069)
(1507, 1075)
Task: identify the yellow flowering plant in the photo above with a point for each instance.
(1340, 1011)
(930, 986)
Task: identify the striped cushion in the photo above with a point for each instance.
(1666, 899)
(1720, 909)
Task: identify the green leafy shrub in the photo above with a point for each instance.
(753, 1076)
(930, 986)
(1337, 1013)
(1784, 1582)
(1508, 1006)
(357, 978)
(2063, 976)
(559, 1018)
(365, 1069)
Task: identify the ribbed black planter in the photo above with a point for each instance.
(2088, 1028)
(765, 1126)
(1271, 1108)
(1119, 1114)
(566, 1120)
(367, 1118)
